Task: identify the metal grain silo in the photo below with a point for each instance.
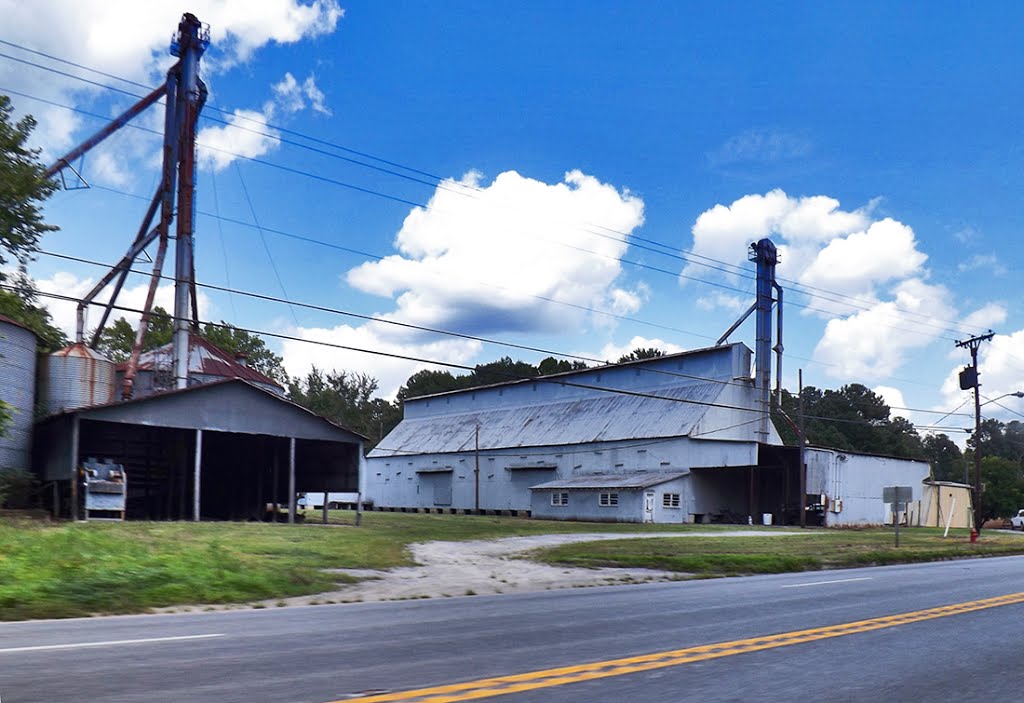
(17, 389)
(78, 377)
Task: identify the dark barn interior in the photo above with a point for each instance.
(245, 438)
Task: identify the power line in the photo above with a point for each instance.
(404, 201)
(740, 271)
(431, 330)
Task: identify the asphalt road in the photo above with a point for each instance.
(338, 652)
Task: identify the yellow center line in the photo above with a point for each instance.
(546, 678)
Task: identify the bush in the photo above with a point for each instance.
(17, 489)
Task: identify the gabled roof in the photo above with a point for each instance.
(204, 357)
(640, 479)
(599, 417)
(228, 405)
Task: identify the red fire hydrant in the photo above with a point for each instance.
(974, 534)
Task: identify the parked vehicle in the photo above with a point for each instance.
(1017, 521)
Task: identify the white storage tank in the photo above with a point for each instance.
(78, 377)
(17, 390)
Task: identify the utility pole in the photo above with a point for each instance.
(969, 379)
(803, 454)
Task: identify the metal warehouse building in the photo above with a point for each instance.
(676, 438)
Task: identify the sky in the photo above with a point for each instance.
(570, 178)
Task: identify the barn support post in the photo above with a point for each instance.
(327, 497)
(74, 467)
(274, 479)
(197, 475)
(291, 480)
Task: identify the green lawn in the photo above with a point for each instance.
(817, 549)
(66, 570)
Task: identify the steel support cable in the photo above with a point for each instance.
(439, 185)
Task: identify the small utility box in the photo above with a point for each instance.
(898, 497)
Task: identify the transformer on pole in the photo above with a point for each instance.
(184, 94)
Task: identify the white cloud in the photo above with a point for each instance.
(893, 397)
(300, 357)
(1001, 362)
(131, 39)
(855, 264)
(761, 146)
(248, 133)
(64, 313)
(985, 317)
(612, 352)
(803, 225)
(493, 260)
(873, 343)
(989, 262)
(723, 301)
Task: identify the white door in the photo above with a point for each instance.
(648, 507)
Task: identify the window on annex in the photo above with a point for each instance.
(559, 498)
(608, 500)
(670, 500)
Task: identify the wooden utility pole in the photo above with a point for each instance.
(803, 453)
(969, 379)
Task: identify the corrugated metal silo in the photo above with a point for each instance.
(17, 389)
(78, 377)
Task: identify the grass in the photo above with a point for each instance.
(68, 570)
(709, 557)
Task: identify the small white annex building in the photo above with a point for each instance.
(669, 439)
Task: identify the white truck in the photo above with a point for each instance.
(1017, 521)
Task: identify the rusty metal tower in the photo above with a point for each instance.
(184, 94)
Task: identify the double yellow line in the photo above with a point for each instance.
(546, 678)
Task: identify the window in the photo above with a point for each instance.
(559, 498)
(670, 500)
(608, 500)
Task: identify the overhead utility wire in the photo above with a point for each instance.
(404, 201)
(436, 185)
(397, 165)
(556, 379)
(442, 332)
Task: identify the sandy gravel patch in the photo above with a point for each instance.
(447, 569)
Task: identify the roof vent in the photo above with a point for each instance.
(242, 358)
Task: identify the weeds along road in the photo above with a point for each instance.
(921, 632)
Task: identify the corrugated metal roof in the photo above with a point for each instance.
(203, 358)
(601, 418)
(594, 481)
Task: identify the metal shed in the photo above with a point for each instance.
(637, 497)
(221, 450)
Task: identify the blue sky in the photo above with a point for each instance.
(878, 144)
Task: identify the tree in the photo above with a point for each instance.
(854, 418)
(346, 398)
(428, 382)
(641, 353)
(116, 340)
(23, 309)
(945, 457)
(1004, 487)
(24, 187)
(236, 341)
(552, 365)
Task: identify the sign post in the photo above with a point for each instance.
(898, 497)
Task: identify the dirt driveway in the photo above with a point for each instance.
(448, 569)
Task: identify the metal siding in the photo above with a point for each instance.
(584, 505)
(17, 389)
(226, 407)
(858, 479)
(78, 377)
(603, 418)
